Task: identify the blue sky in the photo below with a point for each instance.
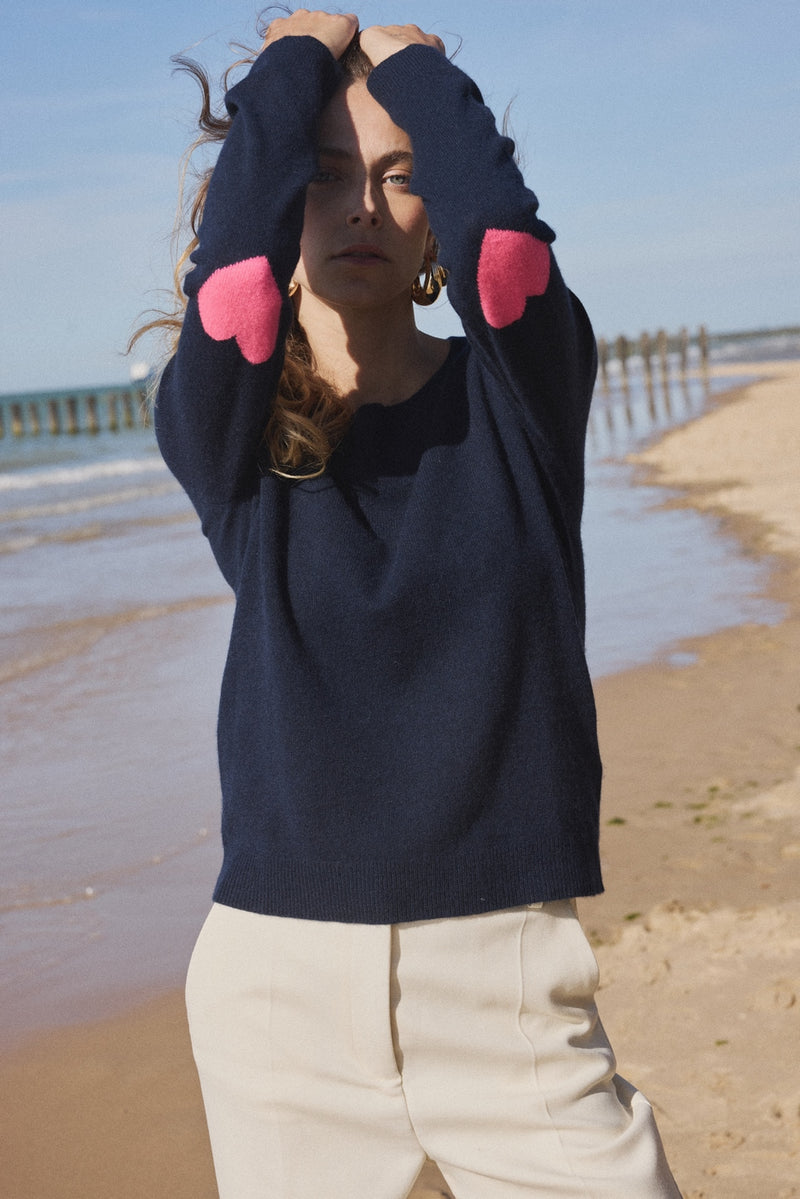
(663, 141)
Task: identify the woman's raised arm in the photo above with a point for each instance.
(524, 324)
(215, 394)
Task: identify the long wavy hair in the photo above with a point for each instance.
(308, 417)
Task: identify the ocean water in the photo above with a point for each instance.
(114, 631)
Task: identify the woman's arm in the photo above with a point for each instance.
(214, 398)
(504, 282)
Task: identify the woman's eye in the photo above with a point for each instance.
(324, 177)
(398, 179)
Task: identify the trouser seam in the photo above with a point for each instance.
(526, 915)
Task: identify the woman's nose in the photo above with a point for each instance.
(365, 209)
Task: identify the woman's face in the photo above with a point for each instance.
(364, 234)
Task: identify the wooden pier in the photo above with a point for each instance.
(109, 410)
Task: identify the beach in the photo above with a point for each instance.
(697, 934)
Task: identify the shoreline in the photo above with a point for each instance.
(690, 705)
(698, 933)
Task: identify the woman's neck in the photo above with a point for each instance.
(371, 356)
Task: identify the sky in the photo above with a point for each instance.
(663, 142)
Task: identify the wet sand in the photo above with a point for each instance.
(698, 934)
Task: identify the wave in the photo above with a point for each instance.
(29, 896)
(61, 476)
(66, 639)
(87, 503)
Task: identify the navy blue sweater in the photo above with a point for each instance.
(406, 726)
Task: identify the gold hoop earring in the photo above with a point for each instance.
(293, 287)
(427, 291)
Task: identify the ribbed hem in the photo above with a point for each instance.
(390, 893)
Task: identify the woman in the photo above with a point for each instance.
(393, 966)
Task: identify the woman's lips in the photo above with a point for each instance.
(362, 253)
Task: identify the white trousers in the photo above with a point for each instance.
(334, 1057)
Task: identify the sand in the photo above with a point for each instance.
(698, 934)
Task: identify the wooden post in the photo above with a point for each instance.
(602, 356)
(645, 350)
(683, 340)
(622, 347)
(53, 417)
(33, 418)
(113, 412)
(72, 415)
(17, 422)
(92, 423)
(662, 345)
(702, 341)
(127, 410)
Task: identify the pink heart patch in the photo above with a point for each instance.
(242, 301)
(511, 268)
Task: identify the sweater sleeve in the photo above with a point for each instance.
(215, 393)
(530, 332)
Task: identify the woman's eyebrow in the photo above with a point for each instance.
(391, 158)
(398, 158)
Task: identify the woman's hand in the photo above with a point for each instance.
(379, 42)
(334, 30)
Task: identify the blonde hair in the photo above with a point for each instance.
(308, 417)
